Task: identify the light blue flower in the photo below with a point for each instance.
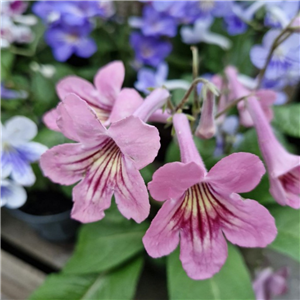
(12, 194)
(285, 58)
(17, 152)
(201, 33)
(148, 78)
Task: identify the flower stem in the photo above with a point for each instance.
(231, 105)
(189, 91)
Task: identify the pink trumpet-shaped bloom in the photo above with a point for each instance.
(269, 283)
(201, 206)
(105, 161)
(101, 97)
(237, 90)
(206, 128)
(283, 167)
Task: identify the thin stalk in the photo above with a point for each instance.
(189, 91)
(195, 72)
(231, 105)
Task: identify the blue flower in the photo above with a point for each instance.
(12, 195)
(66, 40)
(72, 12)
(157, 24)
(280, 13)
(8, 94)
(201, 33)
(148, 78)
(17, 152)
(285, 58)
(149, 50)
(234, 21)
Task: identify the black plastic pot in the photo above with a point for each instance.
(55, 228)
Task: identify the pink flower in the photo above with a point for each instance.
(105, 161)
(101, 98)
(269, 283)
(237, 90)
(207, 128)
(283, 167)
(200, 207)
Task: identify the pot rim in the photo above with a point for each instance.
(39, 219)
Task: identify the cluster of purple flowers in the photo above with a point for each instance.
(160, 21)
(69, 25)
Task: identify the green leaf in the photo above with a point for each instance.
(105, 244)
(249, 143)
(288, 226)
(232, 282)
(44, 95)
(49, 137)
(118, 284)
(7, 59)
(287, 118)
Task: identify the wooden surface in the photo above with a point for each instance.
(18, 279)
(21, 236)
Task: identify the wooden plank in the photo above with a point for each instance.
(21, 236)
(18, 279)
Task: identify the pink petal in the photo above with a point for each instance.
(81, 87)
(277, 159)
(126, 103)
(136, 140)
(87, 211)
(202, 256)
(159, 116)
(67, 163)
(246, 222)
(162, 237)
(277, 191)
(238, 172)
(152, 103)
(79, 122)
(173, 179)
(131, 193)
(109, 80)
(206, 128)
(203, 249)
(65, 123)
(93, 195)
(245, 117)
(50, 118)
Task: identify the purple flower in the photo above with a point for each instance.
(72, 12)
(269, 283)
(285, 57)
(8, 94)
(234, 23)
(156, 24)
(280, 13)
(66, 40)
(149, 50)
(17, 152)
(148, 78)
